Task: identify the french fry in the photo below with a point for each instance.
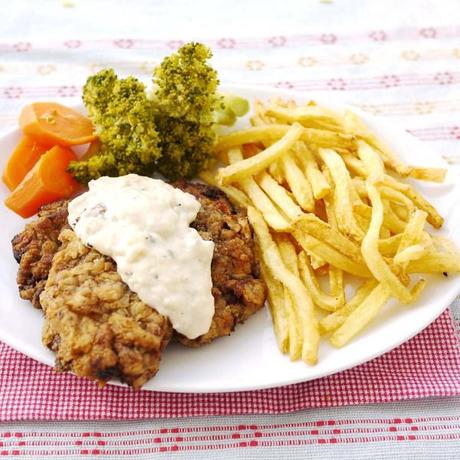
(277, 308)
(274, 132)
(354, 195)
(443, 243)
(435, 262)
(320, 298)
(276, 171)
(336, 283)
(279, 196)
(274, 218)
(389, 220)
(308, 116)
(317, 263)
(260, 118)
(371, 254)
(234, 155)
(429, 174)
(257, 120)
(409, 247)
(294, 326)
(300, 295)
(361, 316)
(390, 216)
(360, 186)
(333, 321)
(327, 253)
(299, 185)
(355, 165)
(321, 230)
(401, 211)
(329, 208)
(396, 196)
(414, 230)
(289, 257)
(384, 232)
(433, 216)
(373, 164)
(343, 204)
(366, 312)
(413, 252)
(319, 184)
(254, 165)
(389, 246)
(288, 252)
(353, 124)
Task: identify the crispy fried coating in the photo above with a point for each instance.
(97, 327)
(35, 247)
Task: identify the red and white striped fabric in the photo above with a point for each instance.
(427, 365)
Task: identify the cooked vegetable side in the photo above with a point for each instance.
(22, 160)
(172, 132)
(46, 182)
(50, 123)
(124, 121)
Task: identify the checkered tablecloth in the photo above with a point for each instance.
(425, 366)
(399, 59)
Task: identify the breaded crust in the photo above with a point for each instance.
(35, 247)
(97, 327)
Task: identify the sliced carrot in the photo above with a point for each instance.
(46, 182)
(22, 160)
(50, 123)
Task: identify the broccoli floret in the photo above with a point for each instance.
(172, 133)
(186, 98)
(186, 85)
(125, 122)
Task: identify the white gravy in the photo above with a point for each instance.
(143, 224)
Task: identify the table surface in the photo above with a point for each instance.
(393, 58)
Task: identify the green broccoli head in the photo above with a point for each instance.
(185, 85)
(125, 122)
(185, 99)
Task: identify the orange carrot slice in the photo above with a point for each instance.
(50, 123)
(46, 182)
(22, 160)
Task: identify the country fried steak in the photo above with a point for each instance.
(100, 329)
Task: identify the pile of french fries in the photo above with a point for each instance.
(327, 204)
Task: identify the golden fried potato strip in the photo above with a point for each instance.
(299, 293)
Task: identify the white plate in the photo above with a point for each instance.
(249, 359)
